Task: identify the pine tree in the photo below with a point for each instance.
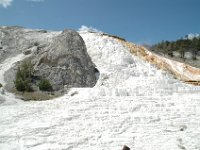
(24, 76)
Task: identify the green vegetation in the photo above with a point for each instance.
(23, 77)
(45, 85)
(24, 81)
(1, 85)
(181, 46)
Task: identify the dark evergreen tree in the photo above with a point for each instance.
(181, 46)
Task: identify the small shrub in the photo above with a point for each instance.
(45, 85)
(1, 85)
(23, 77)
(19, 84)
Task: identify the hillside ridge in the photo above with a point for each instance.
(181, 71)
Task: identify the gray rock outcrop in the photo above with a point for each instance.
(66, 62)
(60, 57)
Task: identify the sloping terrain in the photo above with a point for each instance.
(60, 57)
(181, 71)
(133, 103)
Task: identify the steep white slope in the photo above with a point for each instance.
(133, 103)
(8, 64)
(8, 98)
(121, 71)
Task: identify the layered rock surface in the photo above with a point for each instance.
(60, 57)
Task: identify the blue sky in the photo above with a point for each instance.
(140, 21)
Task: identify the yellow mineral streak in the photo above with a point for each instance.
(181, 71)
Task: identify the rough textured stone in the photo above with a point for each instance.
(60, 57)
(66, 62)
(126, 148)
(27, 52)
(14, 40)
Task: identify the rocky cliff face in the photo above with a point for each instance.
(60, 57)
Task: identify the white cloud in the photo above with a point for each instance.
(91, 29)
(5, 3)
(192, 36)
